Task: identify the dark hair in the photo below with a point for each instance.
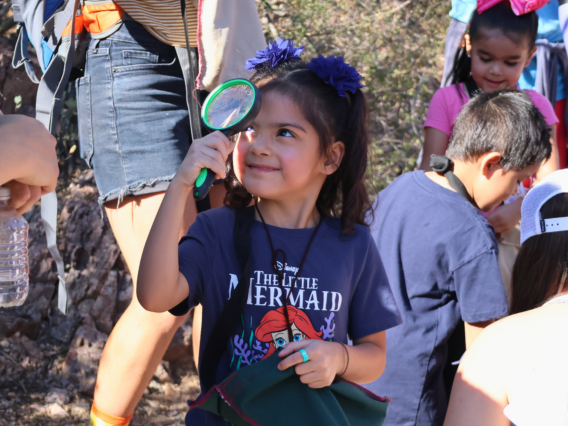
(505, 121)
(501, 17)
(541, 268)
(334, 118)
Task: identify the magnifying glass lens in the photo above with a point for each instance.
(230, 106)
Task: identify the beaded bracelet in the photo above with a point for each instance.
(347, 352)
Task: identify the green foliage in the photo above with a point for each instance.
(398, 48)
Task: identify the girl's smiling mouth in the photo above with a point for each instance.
(495, 83)
(261, 168)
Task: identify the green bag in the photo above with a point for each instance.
(262, 395)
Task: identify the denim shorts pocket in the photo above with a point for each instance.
(84, 117)
(139, 60)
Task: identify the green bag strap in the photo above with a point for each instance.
(231, 315)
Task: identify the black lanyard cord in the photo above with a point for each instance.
(444, 165)
(280, 271)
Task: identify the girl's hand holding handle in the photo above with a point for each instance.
(160, 284)
(326, 360)
(209, 152)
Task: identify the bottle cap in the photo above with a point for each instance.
(4, 193)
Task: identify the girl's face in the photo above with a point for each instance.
(278, 157)
(497, 61)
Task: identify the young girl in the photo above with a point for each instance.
(502, 45)
(302, 161)
(515, 372)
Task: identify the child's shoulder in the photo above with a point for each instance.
(414, 198)
(217, 221)
(451, 93)
(360, 238)
(222, 213)
(544, 106)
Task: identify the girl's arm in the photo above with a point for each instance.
(552, 164)
(365, 363)
(161, 285)
(479, 391)
(435, 142)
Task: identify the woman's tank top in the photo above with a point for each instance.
(543, 400)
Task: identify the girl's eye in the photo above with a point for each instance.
(250, 129)
(484, 60)
(280, 342)
(297, 337)
(285, 133)
(510, 64)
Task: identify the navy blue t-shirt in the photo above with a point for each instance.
(342, 291)
(440, 255)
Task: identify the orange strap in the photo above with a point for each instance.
(96, 19)
(99, 18)
(78, 27)
(111, 420)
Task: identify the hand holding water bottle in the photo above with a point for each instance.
(14, 280)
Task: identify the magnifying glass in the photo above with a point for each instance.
(229, 108)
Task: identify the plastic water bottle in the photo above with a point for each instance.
(14, 279)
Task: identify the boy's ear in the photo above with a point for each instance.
(334, 157)
(529, 59)
(490, 163)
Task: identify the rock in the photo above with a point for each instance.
(39, 409)
(162, 373)
(59, 396)
(65, 330)
(56, 410)
(125, 292)
(31, 347)
(171, 392)
(104, 308)
(26, 319)
(180, 349)
(80, 409)
(86, 306)
(83, 357)
(155, 385)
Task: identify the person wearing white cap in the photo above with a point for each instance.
(515, 372)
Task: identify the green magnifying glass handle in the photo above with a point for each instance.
(203, 184)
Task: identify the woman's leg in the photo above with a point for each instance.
(140, 338)
(134, 131)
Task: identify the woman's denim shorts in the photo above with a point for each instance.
(133, 117)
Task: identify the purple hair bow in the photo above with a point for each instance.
(520, 7)
(335, 72)
(277, 52)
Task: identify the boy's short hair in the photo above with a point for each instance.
(506, 121)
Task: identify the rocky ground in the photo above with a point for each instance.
(48, 361)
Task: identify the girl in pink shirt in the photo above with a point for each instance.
(502, 44)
